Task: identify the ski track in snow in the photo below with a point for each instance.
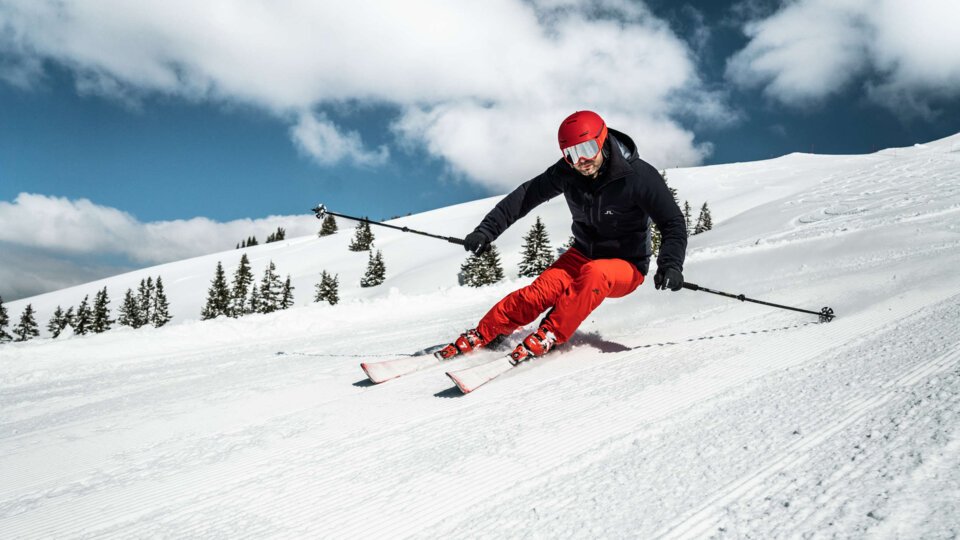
(690, 417)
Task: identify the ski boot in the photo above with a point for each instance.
(536, 344)
(467, 342)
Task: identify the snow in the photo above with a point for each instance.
(676, 415)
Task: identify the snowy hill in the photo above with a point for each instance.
(668, 415)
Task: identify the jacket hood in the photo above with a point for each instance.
(628, 148)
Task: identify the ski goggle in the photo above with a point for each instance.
(587, 150)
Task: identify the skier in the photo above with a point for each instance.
(612, 195)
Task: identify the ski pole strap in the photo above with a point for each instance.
(825, 314)
(321, 212)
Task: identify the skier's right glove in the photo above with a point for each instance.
(476, 243)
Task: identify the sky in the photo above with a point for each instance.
(133, 134)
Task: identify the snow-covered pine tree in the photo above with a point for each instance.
(328, 289)
(376, 271)
(144, 301)
(27, 327)
(688, 216)
(160, 314)
(271, 289)
(101, 313)
(69, 319)
(537, 254)
(469, 271)
(84, 317)
(256, 302)
(57, 323)
(492, 270)
(242, 279)
(218, 296)
(129, 311)
(362, 238)
(286, 294)
(4, 322)
(328, 227)
(480, 270)
(704, 221)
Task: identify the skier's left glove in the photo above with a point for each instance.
(668, 278)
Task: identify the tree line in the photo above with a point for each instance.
(250, 241)
(148, 306)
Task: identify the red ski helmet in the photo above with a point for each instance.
(581, 134)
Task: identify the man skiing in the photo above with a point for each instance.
(612, 195)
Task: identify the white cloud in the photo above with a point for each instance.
(60, 228)
(319, 138)
(532, 62)
(908, 52)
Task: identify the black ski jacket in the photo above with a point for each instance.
(611, 213)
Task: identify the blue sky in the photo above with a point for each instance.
(179, 134)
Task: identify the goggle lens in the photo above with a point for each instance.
(587, 150)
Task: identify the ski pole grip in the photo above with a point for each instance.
(691, 286)
(458, 241)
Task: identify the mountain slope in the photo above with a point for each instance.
(669, 414)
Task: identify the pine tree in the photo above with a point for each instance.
(376, 271)
(69, 319)
(566, 246)
(130, 311)
(57, 322)
(277, 236)
(218, 296)
(492, 270)
(255, 301)
(4, 322)
(27, 327)
(101, 313)
(329, 226)
(673, 191)
(271, 290)
(242, 279)
(144, 301)
(362, 238)
(328, 289)
(84, 318)
(161, 307)
(688, 216)
(480, 270)
(537, 254)
(286, 294)
(704, 221)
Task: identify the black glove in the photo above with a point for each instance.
(668, 278)
(476, 243)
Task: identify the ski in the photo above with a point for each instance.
(385, 370)
(469, 379)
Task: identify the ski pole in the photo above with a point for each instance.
(825, 314)
(321, 212)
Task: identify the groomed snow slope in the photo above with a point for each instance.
(668, 415)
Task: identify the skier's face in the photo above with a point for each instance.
(589, 167)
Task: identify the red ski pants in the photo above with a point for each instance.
(573, 286)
